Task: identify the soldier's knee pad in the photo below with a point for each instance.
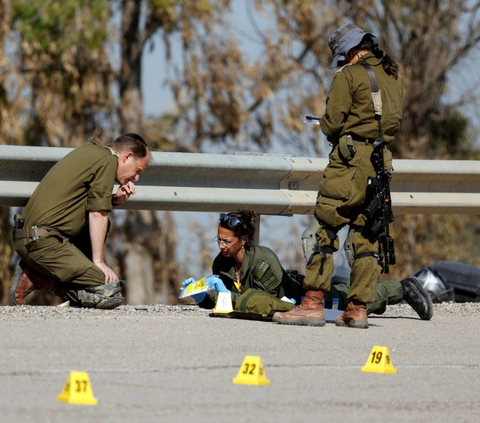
(106, 296)
(309, 238)
(349, 247)
(310, 243)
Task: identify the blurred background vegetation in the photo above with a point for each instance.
(72, 69)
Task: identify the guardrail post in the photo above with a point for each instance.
(256, 239)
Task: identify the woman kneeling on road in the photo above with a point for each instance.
(251, 273)
(259, 284)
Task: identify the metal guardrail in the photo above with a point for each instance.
(268, 184)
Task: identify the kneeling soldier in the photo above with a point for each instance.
(61, 233)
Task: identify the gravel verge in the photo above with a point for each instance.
(162, 310)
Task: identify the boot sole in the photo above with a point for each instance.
(351, 324)
(417, 298)
(14, 286)
(302, 322)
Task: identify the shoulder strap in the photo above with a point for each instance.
(371, 76)
(376, 97)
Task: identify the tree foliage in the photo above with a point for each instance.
(63, 66)
(72, 69)
(226, 94)
(430, 40)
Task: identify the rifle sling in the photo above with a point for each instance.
(376, 97)
(371, 77)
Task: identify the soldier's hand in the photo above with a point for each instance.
(124, 192)
(110, 275)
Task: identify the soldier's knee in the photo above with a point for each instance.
(322, 241)
(309, 238)
(356, 239)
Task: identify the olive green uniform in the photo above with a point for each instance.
(386, 293)
(80, 183)
(261, 270)
(343, 191)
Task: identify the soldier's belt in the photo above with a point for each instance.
(359, 141)
(34, 232)
(364, 141)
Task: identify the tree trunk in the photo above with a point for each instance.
(168, 267)
(148, 249)
(141, 229)
(138, 261)
(6, 250)
(131, 110)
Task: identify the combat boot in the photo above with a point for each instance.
(26, 281)
(309, 312)
(416, 296)
(355, 316)
(106, 296)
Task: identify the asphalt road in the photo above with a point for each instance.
(176, 364)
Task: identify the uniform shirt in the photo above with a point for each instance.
(261, 269)
(350, 107)
(80, 183)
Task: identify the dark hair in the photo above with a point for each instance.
(246, 226)
(131, 142)
(390, 66)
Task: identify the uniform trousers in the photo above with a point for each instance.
(386, 293)
(67, 261)
(341, 201)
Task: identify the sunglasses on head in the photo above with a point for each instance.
(224, 217)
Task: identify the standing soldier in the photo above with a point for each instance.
(350, 125)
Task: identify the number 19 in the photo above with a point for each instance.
(376, 357)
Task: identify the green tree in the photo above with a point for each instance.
(226, 95)
(58, 87)
(146, 242)
(63, 63)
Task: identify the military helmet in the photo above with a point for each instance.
(436, 285)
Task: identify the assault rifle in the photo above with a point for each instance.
(379, 210)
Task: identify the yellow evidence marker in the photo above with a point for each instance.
(379, 361)
(251, 372)
(77, 390)
(224, 303)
